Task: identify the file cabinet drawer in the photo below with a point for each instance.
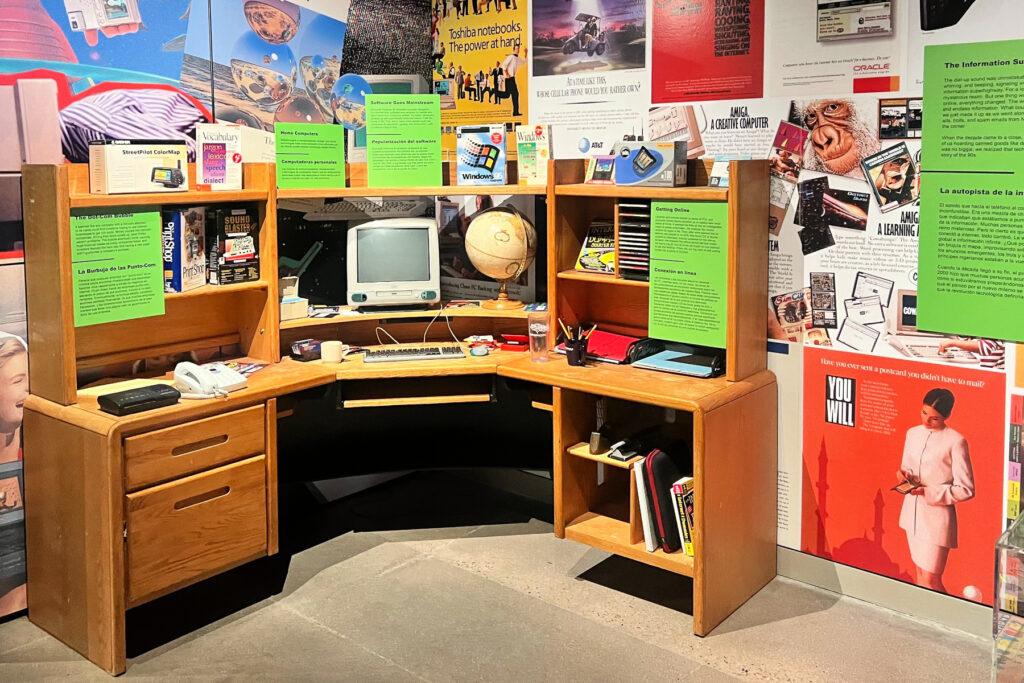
(186, 530)
(194, 446)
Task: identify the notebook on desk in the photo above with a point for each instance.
(607, 347)
(682, 359)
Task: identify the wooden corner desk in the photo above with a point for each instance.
(121, 510)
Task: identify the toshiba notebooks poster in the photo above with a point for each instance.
(724, 50)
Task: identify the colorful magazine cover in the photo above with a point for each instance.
(893, 177)
(598, 251)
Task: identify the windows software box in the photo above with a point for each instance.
(183, 240)
(481, 155)
(232, 238)
(134, 166)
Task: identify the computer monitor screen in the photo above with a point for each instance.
(393, 255)
(393, 262)
(906, 311)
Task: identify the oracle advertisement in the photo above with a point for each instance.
(833, 46)
(903, 466)
(724, 55)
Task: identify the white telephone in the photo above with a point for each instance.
(215, 379)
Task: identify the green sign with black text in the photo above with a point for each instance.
(116, 266)
(689, 272)
(971, 264)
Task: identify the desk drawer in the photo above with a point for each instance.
(195, 527)
(191, 447)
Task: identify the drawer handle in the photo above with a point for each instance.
(202, 498)
(199, 445)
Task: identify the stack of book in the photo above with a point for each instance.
(682, 511)
(635, 240)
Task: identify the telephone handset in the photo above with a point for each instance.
(215, 379)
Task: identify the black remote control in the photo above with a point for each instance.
(138, 400)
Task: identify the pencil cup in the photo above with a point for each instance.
(576, 352)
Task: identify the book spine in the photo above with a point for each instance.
(680, 515)
(645, 510)
(679, 494)
(170, 244)
(687, 511)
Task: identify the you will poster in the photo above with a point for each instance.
(903, 464)
(724, 55)
(479, 58)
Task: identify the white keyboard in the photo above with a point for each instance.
(402, 352)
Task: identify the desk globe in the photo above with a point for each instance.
(501, 243)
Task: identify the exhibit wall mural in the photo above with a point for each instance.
(833, 97)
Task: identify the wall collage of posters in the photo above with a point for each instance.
(831, 93)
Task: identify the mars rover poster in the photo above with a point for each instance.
(588, 79)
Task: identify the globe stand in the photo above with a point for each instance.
(502, 303)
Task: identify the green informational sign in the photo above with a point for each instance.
(971, 264)
(116, 266)
(689, 264)
(403, 140)
(309, 155)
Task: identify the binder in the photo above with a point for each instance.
(645, 514)
(607, 347)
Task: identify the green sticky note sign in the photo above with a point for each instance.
(116, 266)
(689, 267)
(309, 155)
(971, 258)
(403, 140)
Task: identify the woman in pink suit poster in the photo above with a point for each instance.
(935, 475)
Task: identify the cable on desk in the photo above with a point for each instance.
(447, 321)
(381, 329)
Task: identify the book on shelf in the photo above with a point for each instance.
(533, 145)
(183, 239)
(645, 514)
(683, 496)
(597, 255)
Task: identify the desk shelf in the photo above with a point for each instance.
(582, 450)
(351, 316)
(601, 278)
(620, 305)
(433, 191)
(730, 421)
(356, 175)
(732, 433)
(702, 194)
(255, 189)
(210, 316)
(216, 290)
(612, 536)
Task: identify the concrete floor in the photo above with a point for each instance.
(433, 577)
